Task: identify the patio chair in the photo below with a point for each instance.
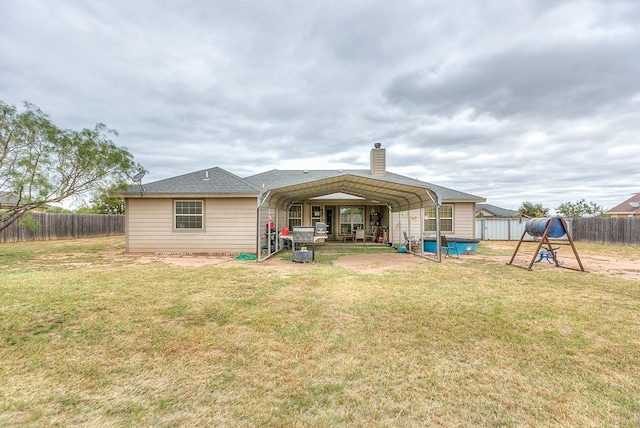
(373, 235)
(412, 243)
(448, 248)
(359, 235)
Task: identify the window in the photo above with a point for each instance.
(295, 216)
(188, 214)
(446, 219)
(351, 219)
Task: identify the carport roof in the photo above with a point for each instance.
(399, 192)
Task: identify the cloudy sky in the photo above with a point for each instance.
(534, 100)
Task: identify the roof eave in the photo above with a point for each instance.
(471, 200)
(170, 195)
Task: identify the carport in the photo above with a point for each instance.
(398, 193)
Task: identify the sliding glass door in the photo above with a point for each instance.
(351, 219)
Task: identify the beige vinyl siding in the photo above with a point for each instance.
(378, 162)
(407, 221)
(463, 222)
(229, 226)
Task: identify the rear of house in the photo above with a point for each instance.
(216, 212)
(205, 212)
(206, 225)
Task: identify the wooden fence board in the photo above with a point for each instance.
(63, 226)
(608, 230)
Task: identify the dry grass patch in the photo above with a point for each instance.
(469, 343)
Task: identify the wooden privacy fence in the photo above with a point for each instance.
(605, 230)
(608, 230)
(63, 226)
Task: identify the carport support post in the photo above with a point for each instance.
(436, 204)
(409, 229)
(277, 241)
(438, 233)
(269, 234)
(258, 235)
(259, 220)
(422, 229)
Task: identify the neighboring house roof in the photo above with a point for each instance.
(7, 198)
(496, 211)
(629, 207)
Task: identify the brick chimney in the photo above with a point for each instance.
(378, 161)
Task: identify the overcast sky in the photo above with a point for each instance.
(532, 100)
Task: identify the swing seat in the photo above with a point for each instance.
(548, 254)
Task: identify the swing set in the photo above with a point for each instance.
(545, 228)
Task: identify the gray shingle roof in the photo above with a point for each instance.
(218, 181)
(205, 182)
(497, 211)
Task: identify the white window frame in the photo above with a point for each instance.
(445, 221)
(296, 220)
(352, 225)
(188, 215)
(316, 214)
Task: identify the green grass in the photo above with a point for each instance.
(91, 337)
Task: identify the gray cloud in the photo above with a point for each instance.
(576, 81)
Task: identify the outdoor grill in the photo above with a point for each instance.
(303, 239)
(321, 229)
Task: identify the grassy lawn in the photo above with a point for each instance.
(90, 337)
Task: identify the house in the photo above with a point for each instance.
(216, 212)
(488, 210)
(7, 200)
(628, 208)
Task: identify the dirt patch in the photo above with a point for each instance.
(615, 266)
(379, 263)
(182, 260)
(363, 263)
